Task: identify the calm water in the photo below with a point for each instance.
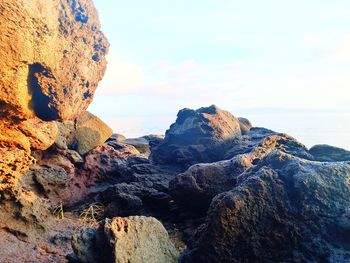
(310, 129)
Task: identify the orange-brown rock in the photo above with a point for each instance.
(52, 57)
(41, 134)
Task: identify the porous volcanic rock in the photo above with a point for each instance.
(282, 209)
(52, 58)
(197, 136)
(136, 239)
(201, 182)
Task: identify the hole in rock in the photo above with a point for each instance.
(40, 103)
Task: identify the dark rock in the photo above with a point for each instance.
(196, 136)
(283, 209)
(327, 153)
(201, 182)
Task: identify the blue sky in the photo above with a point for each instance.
(248, 57)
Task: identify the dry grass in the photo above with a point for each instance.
(58, 211)
(91, 215)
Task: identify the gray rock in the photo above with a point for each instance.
(327, 153)
(82, 135)
(84, 245)
(201, 182)
(140, 240)
(122, 240)
(196, 136)
(283, 209)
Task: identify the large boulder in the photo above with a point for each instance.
(282, 209)
(327, 153)
(90, 131)
(197, 136)
(52, 58)
(134, 239)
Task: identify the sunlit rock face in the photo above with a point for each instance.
(122, 240)
(197, 136)
(52, 58)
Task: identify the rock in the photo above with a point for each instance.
(140, 240)
(141, 144)
(327, 153)
(84, 245)
(73, 156)
(136, 239)
(103, 163)
(126, 199)
(53, 56)
(82, 135)
(116, 137)
(41, 134)
(280, 196)
(15, 157)
(245, 125)
(124, 150)
(52, 181)
(90, 131)
(65, 135)
(197, 136)
(201, 182)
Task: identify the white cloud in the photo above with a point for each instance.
(121, 77)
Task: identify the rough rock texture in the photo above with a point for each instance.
(15, 157)
(201, 182)
(327, 153)
(52, 58)
(41, 134)
(197, 136)
(133, 239)
(139, 240)
(282, 209)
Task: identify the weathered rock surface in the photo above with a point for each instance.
(197, 136)
(327, 153)
(201, 182)
(282, 209)
(139, 239)
(133, 239)
(52, 58)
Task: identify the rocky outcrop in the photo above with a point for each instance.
(52, 58)
(327, 153)
(132, 239)
(201, 182)
(197, 136)
(283, 208)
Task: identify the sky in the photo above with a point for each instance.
(265, 60)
